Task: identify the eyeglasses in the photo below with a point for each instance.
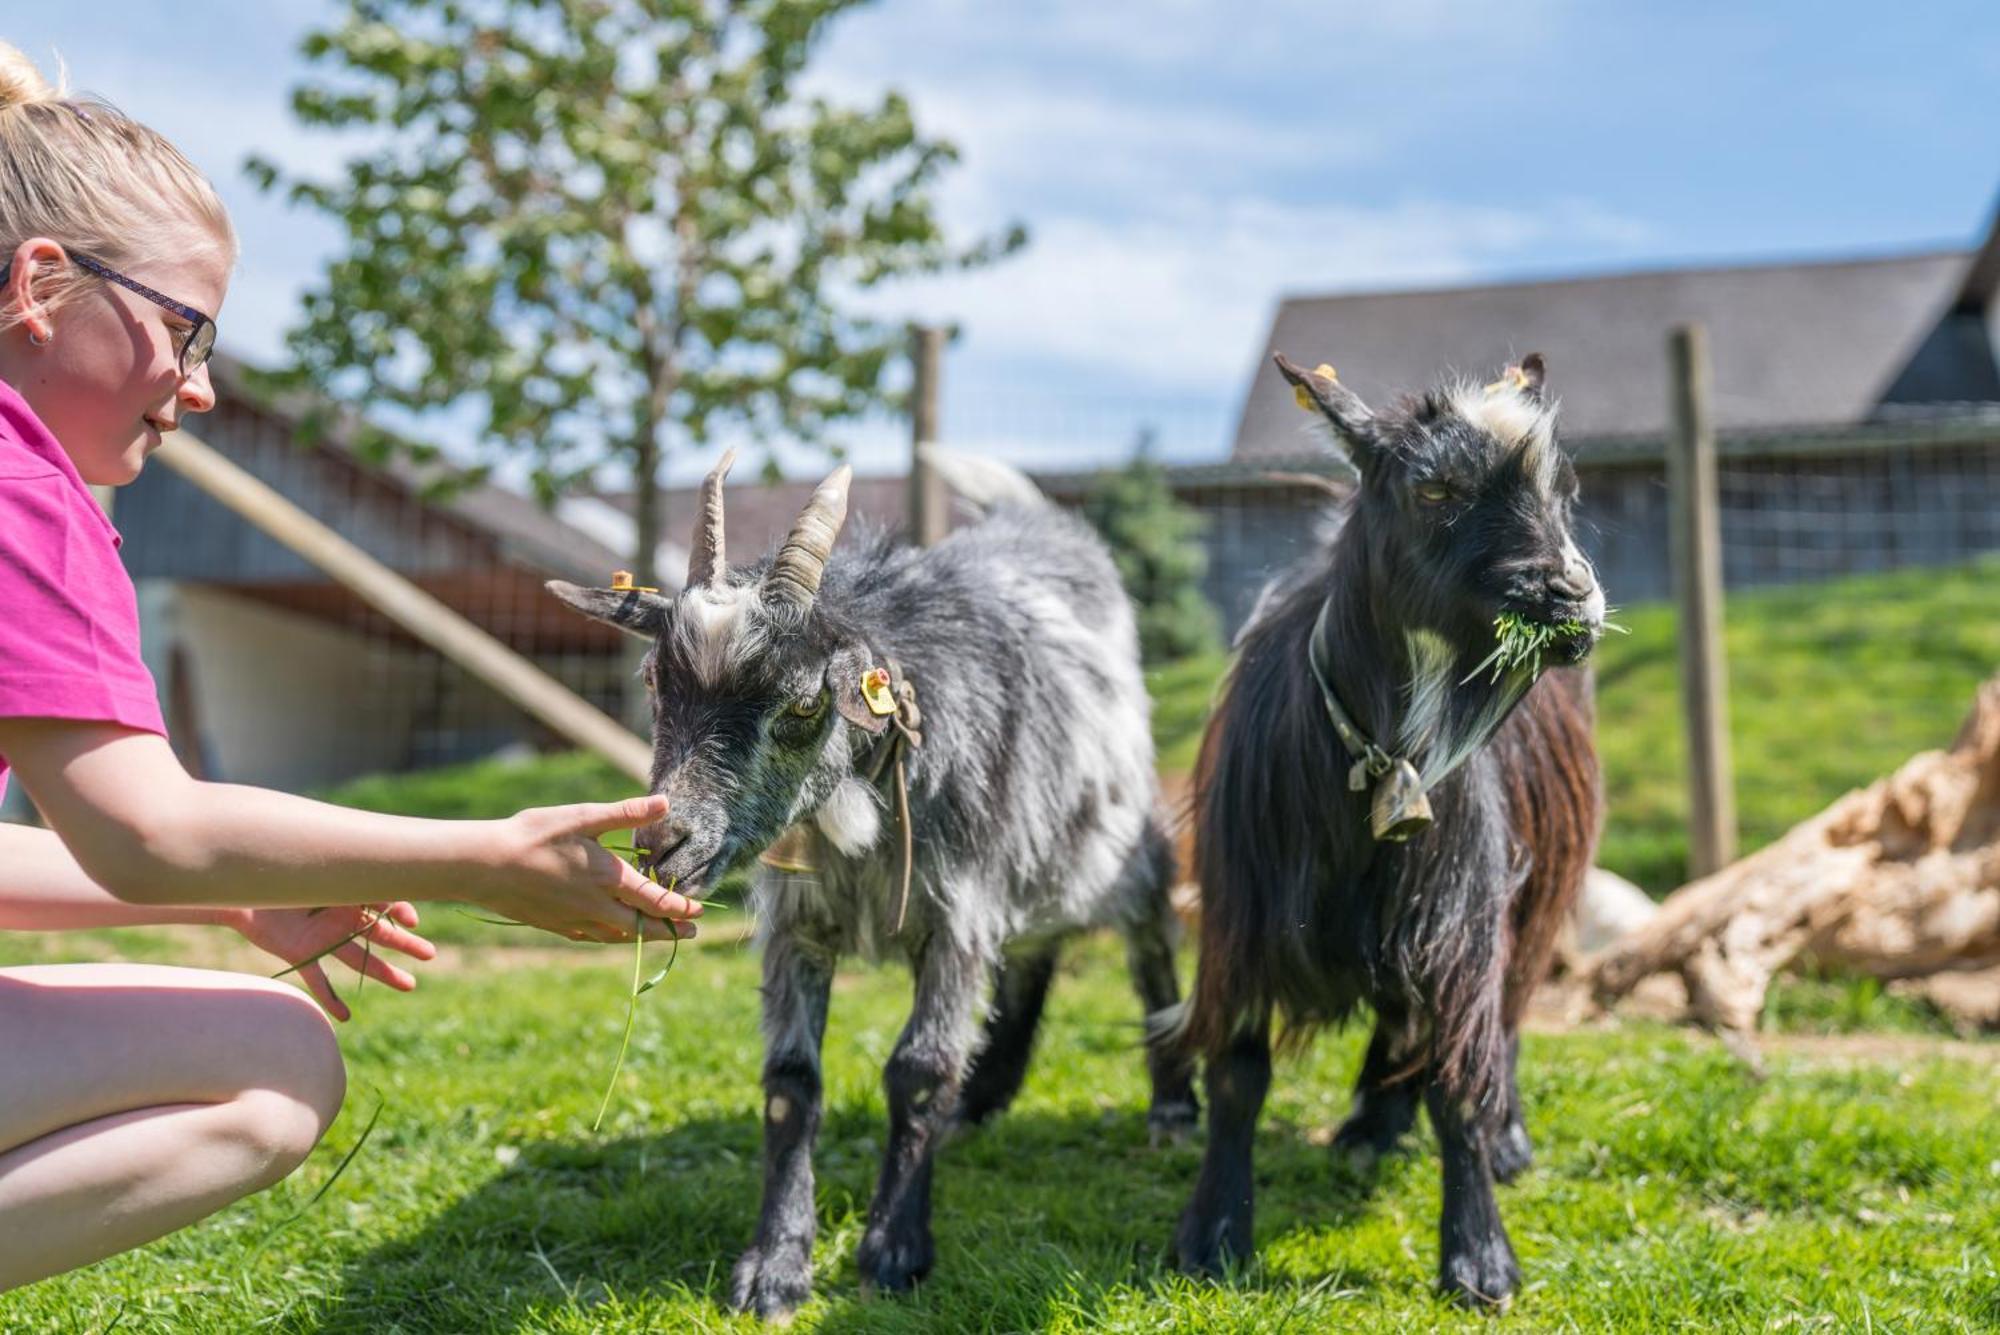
(196, 341)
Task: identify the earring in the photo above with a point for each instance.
(41, 340)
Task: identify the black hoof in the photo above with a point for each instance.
(1512, 1152)
(771, 1285)
(1172, 1122)
(1366, 1138)
(1207, 1247)
(1482, 1278)
(894, 1264)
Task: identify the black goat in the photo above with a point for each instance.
(1462, 515)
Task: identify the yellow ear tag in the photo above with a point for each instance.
(1304, 399)
(875, 689)
(621, 582)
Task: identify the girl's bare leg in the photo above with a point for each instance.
(135, 1099)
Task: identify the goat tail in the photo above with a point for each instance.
(1167, 1027)
(981, 482)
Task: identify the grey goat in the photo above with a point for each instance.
(1032, 813)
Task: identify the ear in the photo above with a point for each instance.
(1339, 405)
(628, 609)
(843, 681)
(1533, 373)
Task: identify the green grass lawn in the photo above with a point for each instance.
(1672, 1192)
(1850, 1189)
(1831, 686)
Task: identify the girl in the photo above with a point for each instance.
(135, 1099)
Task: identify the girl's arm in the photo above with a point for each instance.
(151, 835)
(42, 889)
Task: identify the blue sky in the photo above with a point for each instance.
(1181, 166)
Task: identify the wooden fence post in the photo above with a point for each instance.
(1695, 544)
(929, 516)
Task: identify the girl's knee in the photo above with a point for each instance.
(304, 1065)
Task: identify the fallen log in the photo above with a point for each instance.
(1900, 880)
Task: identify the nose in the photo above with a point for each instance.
(657, 842)
(196, 394)
(1574, 581)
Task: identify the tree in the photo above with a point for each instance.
(1156, 542)
(608, 229)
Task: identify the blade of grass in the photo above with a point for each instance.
(631, 1013)
(363, 930)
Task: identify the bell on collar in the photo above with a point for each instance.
(1401, 808)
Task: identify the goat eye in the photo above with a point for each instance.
(1433, 493)
(810, 706)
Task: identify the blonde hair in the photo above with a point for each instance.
(81, 172)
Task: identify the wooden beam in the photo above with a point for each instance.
(423, 616)
(1695, 545)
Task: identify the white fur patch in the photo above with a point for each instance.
(1513, 419)
(851, 818)
(1431, 659)
(717, 629)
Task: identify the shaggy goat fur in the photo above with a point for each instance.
(1032, 801)
(1462, 512)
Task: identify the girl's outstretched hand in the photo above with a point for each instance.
(548, 870)
(354, 934)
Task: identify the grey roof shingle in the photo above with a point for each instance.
(1791, 344)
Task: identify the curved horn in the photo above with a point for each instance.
(795, 574)
(706, 558)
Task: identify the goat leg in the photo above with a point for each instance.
(1385, 1095)
(1216, 1226)
(1149, 954)
(1512, 1150)
(1476, 1262)
(922, 1084)
(1020, 987)
(775, 1275)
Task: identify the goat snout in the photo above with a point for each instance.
(656, 842)
(1573, 582)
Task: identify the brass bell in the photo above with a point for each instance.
(1401, 807)
(791, 852)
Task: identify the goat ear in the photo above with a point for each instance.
(1338, 404)
(632, 610)
(1534, 371)
(843, 681)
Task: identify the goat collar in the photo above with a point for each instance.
(1400, 806)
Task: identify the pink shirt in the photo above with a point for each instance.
(69, 620)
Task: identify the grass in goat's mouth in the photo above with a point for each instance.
(1519, 643)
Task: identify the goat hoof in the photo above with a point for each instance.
(1362, 1142)
(894, 1263)
(1482, 1277)
(771, 1284)
(1172, 1123)
(1207, 1247)
(1512, 1152)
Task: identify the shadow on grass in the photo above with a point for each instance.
(1036, 1215)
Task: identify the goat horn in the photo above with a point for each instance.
(795, 574)
(706, 558)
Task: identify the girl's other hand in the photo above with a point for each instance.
(298, 935)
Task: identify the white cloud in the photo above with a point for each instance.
(1179, 299)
